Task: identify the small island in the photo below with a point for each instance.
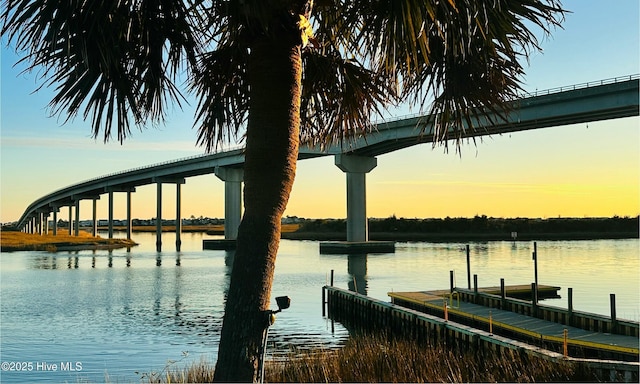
(11, 241)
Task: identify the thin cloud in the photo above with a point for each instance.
(87, 143)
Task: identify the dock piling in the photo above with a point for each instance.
(614, 321)
(451, 281)
(570, 307)
(324, 301)
(475, 288)
(502, 294)
(535, 267)
(468, 268)
(534, 299)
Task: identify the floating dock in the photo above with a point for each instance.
(609, 357)
(528, 321)
(357, 247)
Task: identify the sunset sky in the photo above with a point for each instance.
(590, 170)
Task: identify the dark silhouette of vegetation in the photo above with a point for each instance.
(480, 227)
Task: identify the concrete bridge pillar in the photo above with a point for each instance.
(42, 219)
(159, 216)
(129, 223)
(94, 217)
(110, 191)
(76, 231)
(178, 216)
(70, 219)
(55, 209)
(356, 168)
(46, 222)
(232, 178)
(169, 180)
(110, 214)
(39, 223)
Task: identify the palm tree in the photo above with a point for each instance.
(260, 73)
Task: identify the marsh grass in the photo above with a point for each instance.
(19, 241)
(378, 359)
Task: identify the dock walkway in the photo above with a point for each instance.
(519, 326)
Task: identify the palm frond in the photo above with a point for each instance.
(460, 58)
(339, 97)
(475, 65)
(223, 91)
(105, 59)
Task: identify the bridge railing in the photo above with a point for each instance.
(143, 167)
(525, 94)
(590, 84)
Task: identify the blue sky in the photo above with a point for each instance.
(583, 170)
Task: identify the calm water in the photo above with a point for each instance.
(119, 315)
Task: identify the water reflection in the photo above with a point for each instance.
(357, 270)
(229, 256)
(44, 262)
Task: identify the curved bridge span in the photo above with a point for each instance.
(594, 101)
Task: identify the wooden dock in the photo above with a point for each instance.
(526, 326)
(357, 311)
(515, 291)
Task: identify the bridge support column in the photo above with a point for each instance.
(232, 178)
(70, 219)
(129, 224)
(94, 217)
(159, 181)
(39, 223)
(110, 213)
(178, 216)
(55, 210)
(356, 168)
(42, 219)
(111, 191)
(77, 227)
(159, 217)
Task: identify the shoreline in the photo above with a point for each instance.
(462, 237)
(19, 241)
(293, 233)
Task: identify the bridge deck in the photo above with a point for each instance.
(518, 324)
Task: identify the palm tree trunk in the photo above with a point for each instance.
(275, 68)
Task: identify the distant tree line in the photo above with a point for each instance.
(483, 225)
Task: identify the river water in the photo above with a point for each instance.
(118, 316)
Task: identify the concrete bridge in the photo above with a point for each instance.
(601, 100)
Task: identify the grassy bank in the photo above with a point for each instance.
(18, 241)
(377, 359)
